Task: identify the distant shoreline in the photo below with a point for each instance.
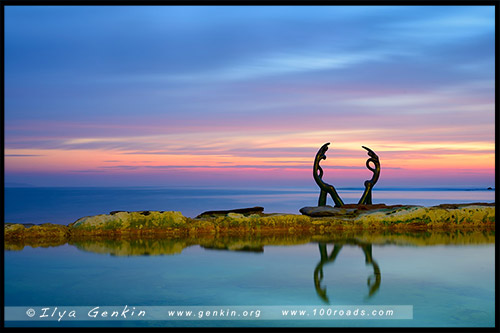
(243, 188)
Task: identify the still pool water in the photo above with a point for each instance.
(448, 279)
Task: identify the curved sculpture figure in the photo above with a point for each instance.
(324, 187)
(366, 198)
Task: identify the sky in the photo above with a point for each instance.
(245, 96)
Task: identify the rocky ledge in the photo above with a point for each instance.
(248, 221)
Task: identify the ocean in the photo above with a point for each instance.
(64, 205)
(442, 279)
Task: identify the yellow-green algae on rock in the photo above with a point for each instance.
(161, 224)
(442, 216)
(46, 230)
(129, 222)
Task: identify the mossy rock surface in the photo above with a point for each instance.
(41, 231)
(438, 215)
(130, 220)
(165, 224)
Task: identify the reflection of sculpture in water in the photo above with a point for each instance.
(373, 280)
(325, 189)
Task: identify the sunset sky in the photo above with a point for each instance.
(245, 96)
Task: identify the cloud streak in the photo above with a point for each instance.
(220, 90)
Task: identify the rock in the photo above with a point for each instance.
(40, 231)
(344, 211)
(455, 206)
(122, 221)
(251, 221)
(323, 211)
(243, 211)
(143, 212)
(235, 216)
(13, 231)
(47, 230)
(446, 215)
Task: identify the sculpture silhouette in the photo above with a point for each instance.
(366, 198)
(325, 189)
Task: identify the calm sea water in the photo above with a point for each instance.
(66, 205)
(448, 284)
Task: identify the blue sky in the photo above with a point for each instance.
(248, 93)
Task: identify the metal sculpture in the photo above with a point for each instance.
(366, 198)
(325, 189)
